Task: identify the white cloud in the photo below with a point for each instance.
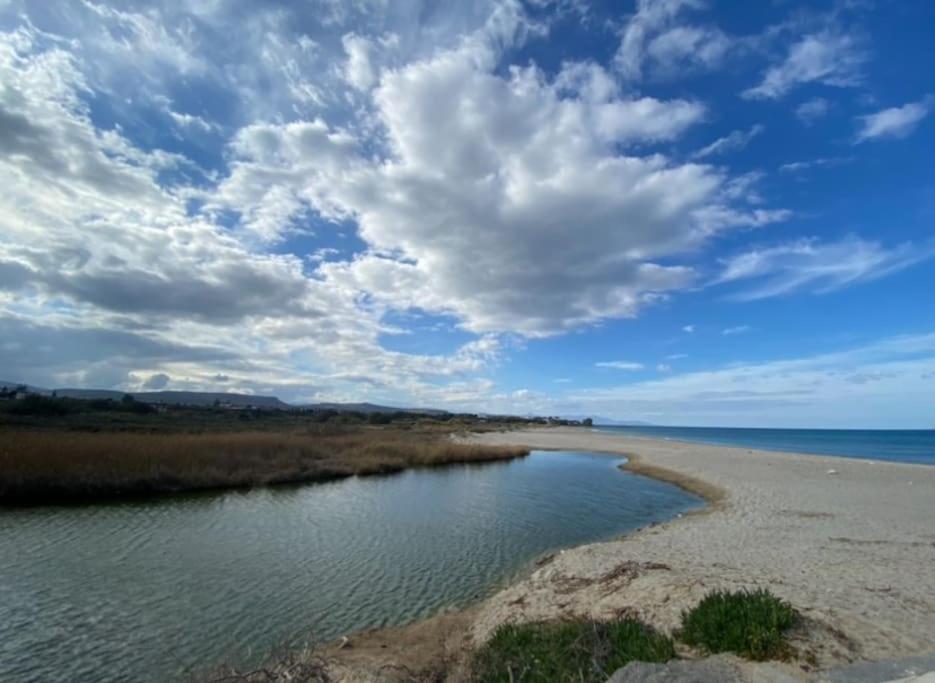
(685, 48)
(829, 57)
(157, 382)
(895, 122)
(688, 329)
(811, 110)
(800, 166)
(737, 329)
(619, 365)
(881, 384)
(656, 40)
(191, 121)
(515, 203)
(663, 367)
(103, 260)
(359, 70)
(731, 142)
(817, 267)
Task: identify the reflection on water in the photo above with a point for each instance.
(142, 590)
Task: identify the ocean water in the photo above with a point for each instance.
(896, 445)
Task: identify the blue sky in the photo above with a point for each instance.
(675, 211)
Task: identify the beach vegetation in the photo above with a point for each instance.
(752, 624)
(579, 650)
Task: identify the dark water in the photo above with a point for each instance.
(140, 591)
(903, 445)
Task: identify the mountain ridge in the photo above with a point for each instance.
(209, 398)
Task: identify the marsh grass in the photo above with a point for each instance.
(752, 624)
(43, 467)
(581, 650)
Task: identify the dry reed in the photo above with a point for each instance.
(44, 467)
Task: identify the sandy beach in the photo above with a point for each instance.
(850, 543)
(853, 550)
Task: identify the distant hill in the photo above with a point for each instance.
(181, 398)
(209, 398)
(369, 408)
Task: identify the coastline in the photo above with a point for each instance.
(849, 542)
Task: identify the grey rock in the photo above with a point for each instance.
(710, 670)
(723, 668)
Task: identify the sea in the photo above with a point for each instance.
(894, 445)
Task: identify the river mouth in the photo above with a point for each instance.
(150, 590)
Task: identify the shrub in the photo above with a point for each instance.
(34, 404)
(748, 623)
(567, 651)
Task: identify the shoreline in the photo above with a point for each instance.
(848, 541)
(605, 429)
(713, 495)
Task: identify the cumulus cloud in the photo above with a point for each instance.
(815, 266)
(829, 57)
(513, 202)
(90, 225)
(157, 382)
(895, 122)
(520, 202)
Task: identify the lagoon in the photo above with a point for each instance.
(149, 590)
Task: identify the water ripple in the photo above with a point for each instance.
(142, 590)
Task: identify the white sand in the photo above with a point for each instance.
(853, 551)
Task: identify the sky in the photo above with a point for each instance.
(683, 212)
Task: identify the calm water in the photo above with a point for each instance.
(140, 591)
(917, 446)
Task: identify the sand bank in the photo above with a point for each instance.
(853, 550)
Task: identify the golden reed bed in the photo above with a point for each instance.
(49, 467)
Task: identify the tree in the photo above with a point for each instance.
(587, 422)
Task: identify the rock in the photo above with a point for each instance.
(723, 668)
(710, 670)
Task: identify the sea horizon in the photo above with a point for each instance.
(915, 446)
